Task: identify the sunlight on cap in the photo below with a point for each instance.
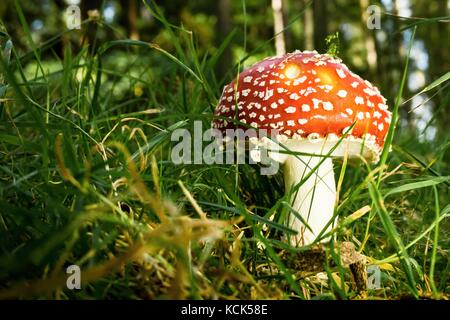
(292, 71)
(326, 77)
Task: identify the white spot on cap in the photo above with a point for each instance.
(280, 101)
(269, 94)
(230, 98)
(281, 138)
(254, 125)
(382, 106)
(302, 121)
(342, 93)
(261, 94)
(248, 79)
(262, 83)
(316, 103)
(360, 115)
(290, 109)
(252, 115)
(368, 84)
(319, 116)
(369, 91)
(355, 84)
(328, 106)
(274, 105)
(305, 107)
(245, 92)
(291, 123)
(262, 118)
(294, 96)
(359, 100)
(299, 80)
(280, 90)
(309, 90)
(326, 87)
(271, 81)
(340, 73)
(377, 115)
(230, 89)
(260, 69)
(381, 126)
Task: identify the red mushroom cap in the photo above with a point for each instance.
(303, 94)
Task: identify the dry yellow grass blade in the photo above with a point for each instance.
(191, 199)
(65, 172)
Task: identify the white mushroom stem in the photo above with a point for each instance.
(314, 201)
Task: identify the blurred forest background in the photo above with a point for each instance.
(376, 55)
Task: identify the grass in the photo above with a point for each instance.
(86, 178)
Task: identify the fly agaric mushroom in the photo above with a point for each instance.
(312, 100)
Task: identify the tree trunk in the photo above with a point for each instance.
(278, 26)
(132, 16)
(371, 53)
(320, 25)
(224, 27)
(308, 24)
